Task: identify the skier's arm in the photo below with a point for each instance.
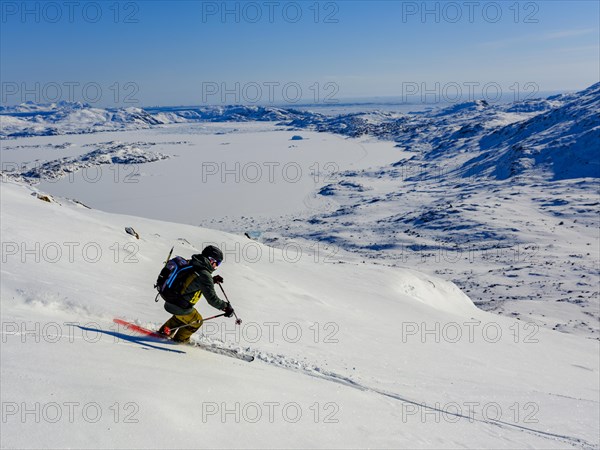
(208, 291)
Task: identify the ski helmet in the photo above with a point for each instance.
(213, 252)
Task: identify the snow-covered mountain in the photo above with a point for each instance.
(558, 133)
(76, 118)
(72, 118)
(563, 142)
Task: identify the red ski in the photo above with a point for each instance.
(211, 348)
(141, 330)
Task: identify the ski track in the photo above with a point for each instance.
(348, 382)
(315, 371)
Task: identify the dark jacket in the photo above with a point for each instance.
(203, 283)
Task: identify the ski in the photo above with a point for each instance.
(209, 348)
(144, 331)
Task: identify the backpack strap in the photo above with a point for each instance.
(174, 275)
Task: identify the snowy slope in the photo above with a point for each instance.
(374, 375)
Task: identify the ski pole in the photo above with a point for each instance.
(238, 321)
(166, 261)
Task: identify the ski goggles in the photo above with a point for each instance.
(213, 260)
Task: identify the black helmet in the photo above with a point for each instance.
(213, 252)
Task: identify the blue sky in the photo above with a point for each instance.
(188, 52)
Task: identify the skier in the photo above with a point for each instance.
(185, 315)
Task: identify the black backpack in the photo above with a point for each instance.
(174, 280)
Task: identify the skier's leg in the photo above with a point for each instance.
(183, 334)
(173, 322)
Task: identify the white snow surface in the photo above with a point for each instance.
(401, 359)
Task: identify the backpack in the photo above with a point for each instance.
(173, 282)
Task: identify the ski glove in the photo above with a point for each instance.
(217, 279)
(228, 310)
